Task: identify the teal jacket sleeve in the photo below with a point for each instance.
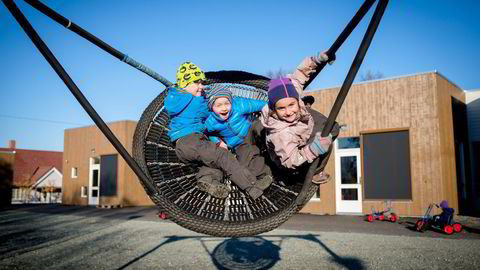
(214, 139)
(210, 130)
(248, 106)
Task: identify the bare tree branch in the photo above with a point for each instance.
(369, 76)
(276, 74)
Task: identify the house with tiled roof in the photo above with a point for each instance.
(36, 175)
(6, 177)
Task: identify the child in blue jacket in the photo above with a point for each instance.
(230, 124)
(188, 110)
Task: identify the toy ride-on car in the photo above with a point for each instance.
(443, 222)
(382, 215)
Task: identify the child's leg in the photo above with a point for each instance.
(248, 155)
(197, 148)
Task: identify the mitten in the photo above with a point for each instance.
(323, 57)
(320, 145)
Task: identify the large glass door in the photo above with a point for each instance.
(347, 181)
(94, 181)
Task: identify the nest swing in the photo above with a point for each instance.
(170, 183)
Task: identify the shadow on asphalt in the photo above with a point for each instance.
(255, 252)
(471, 230)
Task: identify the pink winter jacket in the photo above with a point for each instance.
(286, 142)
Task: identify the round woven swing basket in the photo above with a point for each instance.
(177, 193)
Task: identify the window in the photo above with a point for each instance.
(15, 193)
(108, 175)
(74, 172)
(386, 162)
(84, 192)
(348, 143)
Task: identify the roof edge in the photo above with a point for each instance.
(94, 125)
(394, 78)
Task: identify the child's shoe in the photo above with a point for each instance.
(265, 182)
(257, 189)
(254, 192)
(321, 178)
(213, 187)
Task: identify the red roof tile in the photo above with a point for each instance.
(30, 162)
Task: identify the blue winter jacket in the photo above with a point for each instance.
(187, 113)
(233, 130)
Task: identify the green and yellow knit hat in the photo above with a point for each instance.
(188, 73)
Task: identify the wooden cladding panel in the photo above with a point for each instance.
(82, 143)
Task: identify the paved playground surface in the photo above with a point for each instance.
(73, 237)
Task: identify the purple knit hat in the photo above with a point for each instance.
(278, 89)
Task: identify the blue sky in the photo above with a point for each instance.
(256, 36)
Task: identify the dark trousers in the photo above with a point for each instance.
(196, 148)
(248, 154)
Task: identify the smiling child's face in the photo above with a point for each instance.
(287, 109)
(222, 107)
(195, 88)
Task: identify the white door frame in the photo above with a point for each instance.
(347, 206)
(93, 191)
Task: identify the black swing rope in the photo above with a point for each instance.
(362, 50)
(45, 51)
(150, 187)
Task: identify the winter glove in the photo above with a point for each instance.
(323, 57)
(320, 145)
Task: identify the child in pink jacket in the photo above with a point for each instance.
(293, 132)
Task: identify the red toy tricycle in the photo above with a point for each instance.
(382, 215)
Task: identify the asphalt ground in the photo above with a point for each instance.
(75, 237)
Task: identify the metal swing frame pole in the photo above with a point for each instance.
(362, 51)
(45, 51)
(96, 41)
(367, 39)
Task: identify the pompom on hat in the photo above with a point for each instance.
(217, 91)
(444, 204)
(280, 88)
(188, 73)
(308, 99)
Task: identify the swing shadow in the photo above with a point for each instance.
(254, 252)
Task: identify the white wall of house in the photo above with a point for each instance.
(48, 188)
(52, 178)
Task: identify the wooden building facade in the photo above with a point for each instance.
(94, 172)
(405, 139)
